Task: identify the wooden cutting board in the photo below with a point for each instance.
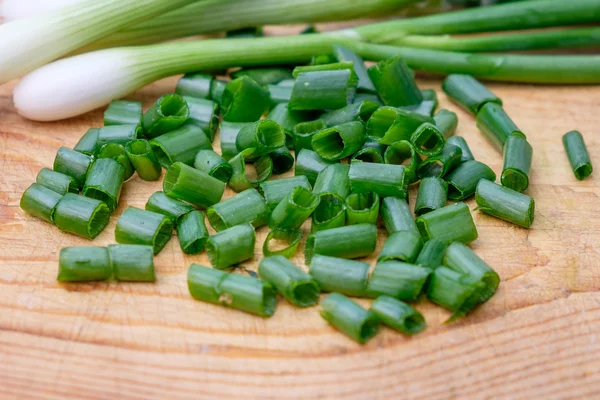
(536, 338)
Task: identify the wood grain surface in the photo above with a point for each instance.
(535, 339)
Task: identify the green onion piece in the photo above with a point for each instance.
(372, 151)
(192, 232)
(242, 178)
(395, 83)
(340, 141)
(245, 207)
(283, 160)
(118, 153)
(496, 125)
(123, 112)
(362, 208)
(304, 132)
(360, 112)
(287, 83)
(72, 163)
(229, 132)
(273, 246)
(276, 190)
(244, 100)
(248, 294)
(403, 153)
(298, 287)
(426, 107)
(428, 140)
(468, 92)
(383, 179)
(188, 184)
(398, 315)
(205, 114)
(309, 164)
(231, 246)
(144, 160)
(118, 134)
(132, 262)
(459, 141)
(323, 90)
(264, 75)
(196, 85)
(245, 33)
(343, 54)
(56, 181)
(88, 142)
(320, 59)
(287, 119)
(517, 163)
(432, 195)
(334, 179)
(430, 95)
(333, 66)
(381, 121)
(404, 126)
(352, 241)
(217, 90)
(399, 280)
(136, 226)
(397, 216)
(263, 137)
(40, 202)
(203, 283)
(338, 275)
(168, 113)
(330, 213)
(83, 264)
(463, 181)
(578, 154)
(279, 94)
(431, 254)
(401, 246)
(349, 317)
(104, 182)
(452, 223)
(171, 208)
(209, 162)
(180, 145)
(447, 122)
(440, 165)
(505, 203)
(452, 290)
(309, 29)
(81, 216)
(372, 97)
(294, 209)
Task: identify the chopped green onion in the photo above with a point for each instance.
(180, 145)
(452, 223)
(56, 181)
(459, 141)
(468, 92)
(171, 208)
(452, 290)
(229, 132)
(248, 294)
(104, 182)
(119, 134)
(245, 33)
(323, 90)
(264, 75)
(330, 213)
(188, 184)
(403, 153)
(357, 111)
(283, 160)
(381, 121)
(352, 241)
(432, 195)
(40, 202)
(88, 142)
(205, 114)
(372, 151)
(192, 232)
(440, 165)
(291, 238)
(447, 122)
(383, 179)
(344, 54)
(241, 179)
(123, 112)
(117, 153)
(338, 275)
(398, 315)
(397, 216)
(168, 113)
(428, 140)
(578, 154)
(395, 83)
(217, 90)
(399, 280)
(279, 94)
(287, 118)
(334, 179)
(263, 137)
(403, 126)
(309, 164)
(132, 263)
(203, 283)
(196, 85)
(463, 181)
(340, 141)
(231, 246)
(294, 209)
(517, 163)
(298, 287)
(431, 254)
(209, 162)
(349, 317)
(331, 66)
(372, 97)
(362, 208)
(496, 125)
(304, 132)
(81, 216)
(72, 163)
(244, 100)
(276, 190)
(136, 226)
(287, 83)
(505, 203)
(320, 59)
(144, 160)
(247, 206)
(426, 107)
(81, 264)
(401, 246)
(430, 95)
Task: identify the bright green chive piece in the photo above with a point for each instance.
(452, 223)
(403, 153)
(287, 118)
(330, 213)
(171, 208)
(505, 203)
(217, 91)
(298, 287)
(132, 262)
(119, 134)
(463, 181)
(344, 54)
(276, 190)
(320, 59)
(72, 163)
(205, 114)
(362, 208)
(398, 315)
(496, 125)
(294, 209)
(397, 279)
(247, 206)
(395, 83)
(372, 151)
(383, 179)
(404, 127)
(196, 85)
(104, 182)
(188, 184)
(264, 75)
(123, 112)
(117, 153)
(262, 137)
(304, 132)
(242, 177)
(136, 226)
(84, 264)
(440, 165)
(352, 241)
(360, 112)
(280, 242)
(209, 162)
(168, 113)
(244, 100)
(229, 132)
(338, 275)
(428, 140)
(397, 216)
(323, 90)
(430, 95)
(40, 202)
(287, 82)
(231, 246)
(518, 155)
(334, 180)
(81, 216)
(192, 232)
(432, 195)
(340, 141)
(426, 107)
(447, 122)
(401, 246)
(180, 145)
(459, 141)
(431, 254)
(283, 160)
(56, 181)
(468, 92)
(578, 154)
(349, 317)
(381, 121)
(372, 97)
(144, 160)
(453, 290)
(309, 164)
(203, 283)
(279, 94)
(333, 66)
(88, 142)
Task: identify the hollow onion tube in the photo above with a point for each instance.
(242, 179)
(283, 160)
(431, 254)
(362, 208)
(357, 111)
(349, 317)
(39, 201)
(117, 134)
(401, 246)
(205, 114)
(340, 141)
(209, 162)
(166, 114)
(88, 142)
(402, 127)
(244, 100)
(396, 215)
(310, 165)
(383, 179)
(432, 195)
(333, 180)
(266, 75)
(143, 159)
(496, 125)
(459, 141)
(231, 246)
(294, 209)
(247, 206)
(577, 154)
(123, 112)
(352, 241)
(188, 184)
(333, 274)
(118, 153)
(505, 203)
(449, 224)
(171, 208)
(372, 151)
(403, 153)
(229, 132)
(136, 226)
(447, 122)
(443, 163)
(195, 86)
(453, 290)
(323, 90)
(399, 280)
(180, 145)
(468, 92)
(263, 137)
(72, 163)
(104, 182)
(346, 55)
(398, 315)
(463, 181)
(57, 182)
(288, 119)
(273, 245)
(395, 83)
(132, 263)
(330, 213)
(192, 232)
(81, 216)
(276, 190)
(518, 155)
(304, 132)
(298, 287)
(81, 264)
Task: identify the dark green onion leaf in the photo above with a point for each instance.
(264, 75)
(228, 135)
(431, 254)
(294, 209)
(343, 54)
(403, 153)
(283, 160)
(404, 126)
(333, 180)
(88, 142)
(428, 140)
(263, 137)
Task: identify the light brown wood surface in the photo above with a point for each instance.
(537, 338)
